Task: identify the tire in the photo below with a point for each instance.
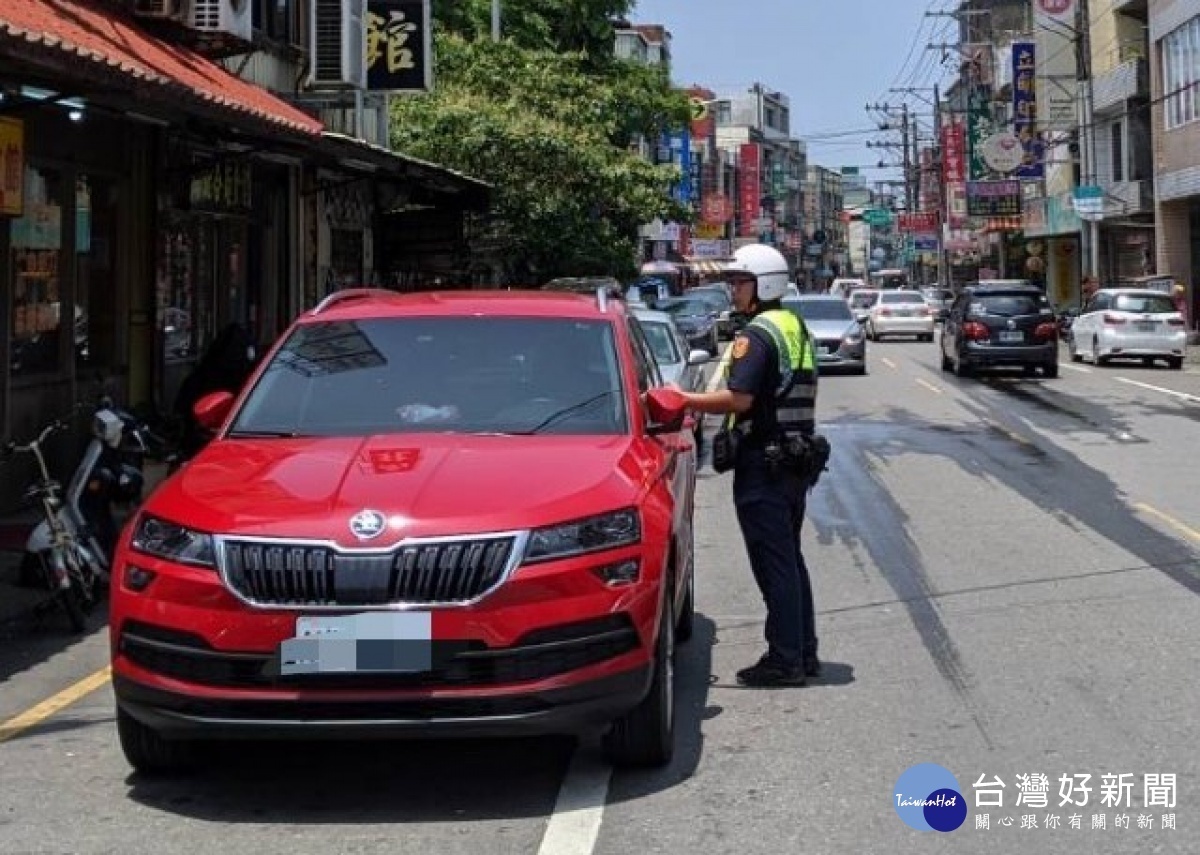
(1097, 359)
(1050, 370)
(947, 365)
(1175, 363)
(1076, 356)
(32, 573)
(645, 736)
(147, 751)
(961, 368)
(685, 622)
(78, 598)
(927, 337)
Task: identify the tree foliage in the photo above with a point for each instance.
(548, 119)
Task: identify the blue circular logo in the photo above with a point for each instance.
(927, 798)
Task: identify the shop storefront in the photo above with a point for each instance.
(1052, 230)
(72, 209)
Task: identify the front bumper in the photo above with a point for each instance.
(567, 710)
(552, 650)
(840, 354)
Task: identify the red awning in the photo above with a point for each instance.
(112, 41)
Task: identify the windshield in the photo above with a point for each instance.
(819, 310)
(1144, 304)
(458, 375)
(684, 306)
(662, 342)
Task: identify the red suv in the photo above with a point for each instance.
(464, 513)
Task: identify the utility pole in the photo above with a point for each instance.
(945, 280)
(904, 138)
(495, 20)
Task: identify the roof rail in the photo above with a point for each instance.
(602, 298)
(350, 294)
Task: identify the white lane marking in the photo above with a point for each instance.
(1070, 366)
(575, 823)
(888, 362)
(718, 374)
(1183, 396)
(928, 385)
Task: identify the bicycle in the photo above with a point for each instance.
(71, 568)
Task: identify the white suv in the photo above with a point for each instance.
(1129, 323)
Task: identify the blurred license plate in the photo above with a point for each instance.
(1010, 336)
(903, 313)
(1145, 326)
(374, 642)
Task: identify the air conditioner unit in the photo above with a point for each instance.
(338, 44)
(232, 17)
(156, 8)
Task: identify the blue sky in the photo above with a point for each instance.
(831, 57)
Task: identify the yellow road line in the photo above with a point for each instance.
(887, 362)
(1169, 520)
(928, 385)
(34, 716)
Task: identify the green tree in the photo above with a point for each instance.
(551, 130)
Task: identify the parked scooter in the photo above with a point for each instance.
(71, 549)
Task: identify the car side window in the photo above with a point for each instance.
(647, 369)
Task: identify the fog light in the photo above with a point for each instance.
(137, 579)
(622, 573)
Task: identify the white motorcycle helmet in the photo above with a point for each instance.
(767, 265)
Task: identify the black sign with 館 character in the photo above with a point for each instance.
(399, 49)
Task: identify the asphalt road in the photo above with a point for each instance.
(1006, 576)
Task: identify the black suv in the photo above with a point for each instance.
(1000, 325)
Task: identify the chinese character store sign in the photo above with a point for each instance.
(399, 51)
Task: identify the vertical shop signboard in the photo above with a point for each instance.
(749, 189)
(1025, 113)
(979, 127)
(12, 167)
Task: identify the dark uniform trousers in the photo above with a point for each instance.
(770, 509)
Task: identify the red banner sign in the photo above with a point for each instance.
(923, 222)
(954, 151)
(749, 188)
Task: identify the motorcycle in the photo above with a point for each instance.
(71, 548)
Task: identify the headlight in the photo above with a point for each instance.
(606, 531)
(853, 336)
(173, 542)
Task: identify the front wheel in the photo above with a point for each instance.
(147, 751)
(645, 736)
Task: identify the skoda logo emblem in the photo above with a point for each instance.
(367, 524)
(1012, 325)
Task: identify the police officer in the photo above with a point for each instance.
(770, 392)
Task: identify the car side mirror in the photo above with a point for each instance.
(212, 409)
(698, 357)
(667, 409)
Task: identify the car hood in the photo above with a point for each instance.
(831, 329)
(426, 484)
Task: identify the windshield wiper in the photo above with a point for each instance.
(566, 412)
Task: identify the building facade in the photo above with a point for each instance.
(1174, 32)
(151, 197)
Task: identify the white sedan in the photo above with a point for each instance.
(900, 313)
(1129, 323)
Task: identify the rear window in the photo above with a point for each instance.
(863, 299)
(662, 342)
(1010, 305)
(901, 297)
(819, 310)
(1144, 304)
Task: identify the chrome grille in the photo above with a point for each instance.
(421, 573)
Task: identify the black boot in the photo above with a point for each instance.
(768, 673)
